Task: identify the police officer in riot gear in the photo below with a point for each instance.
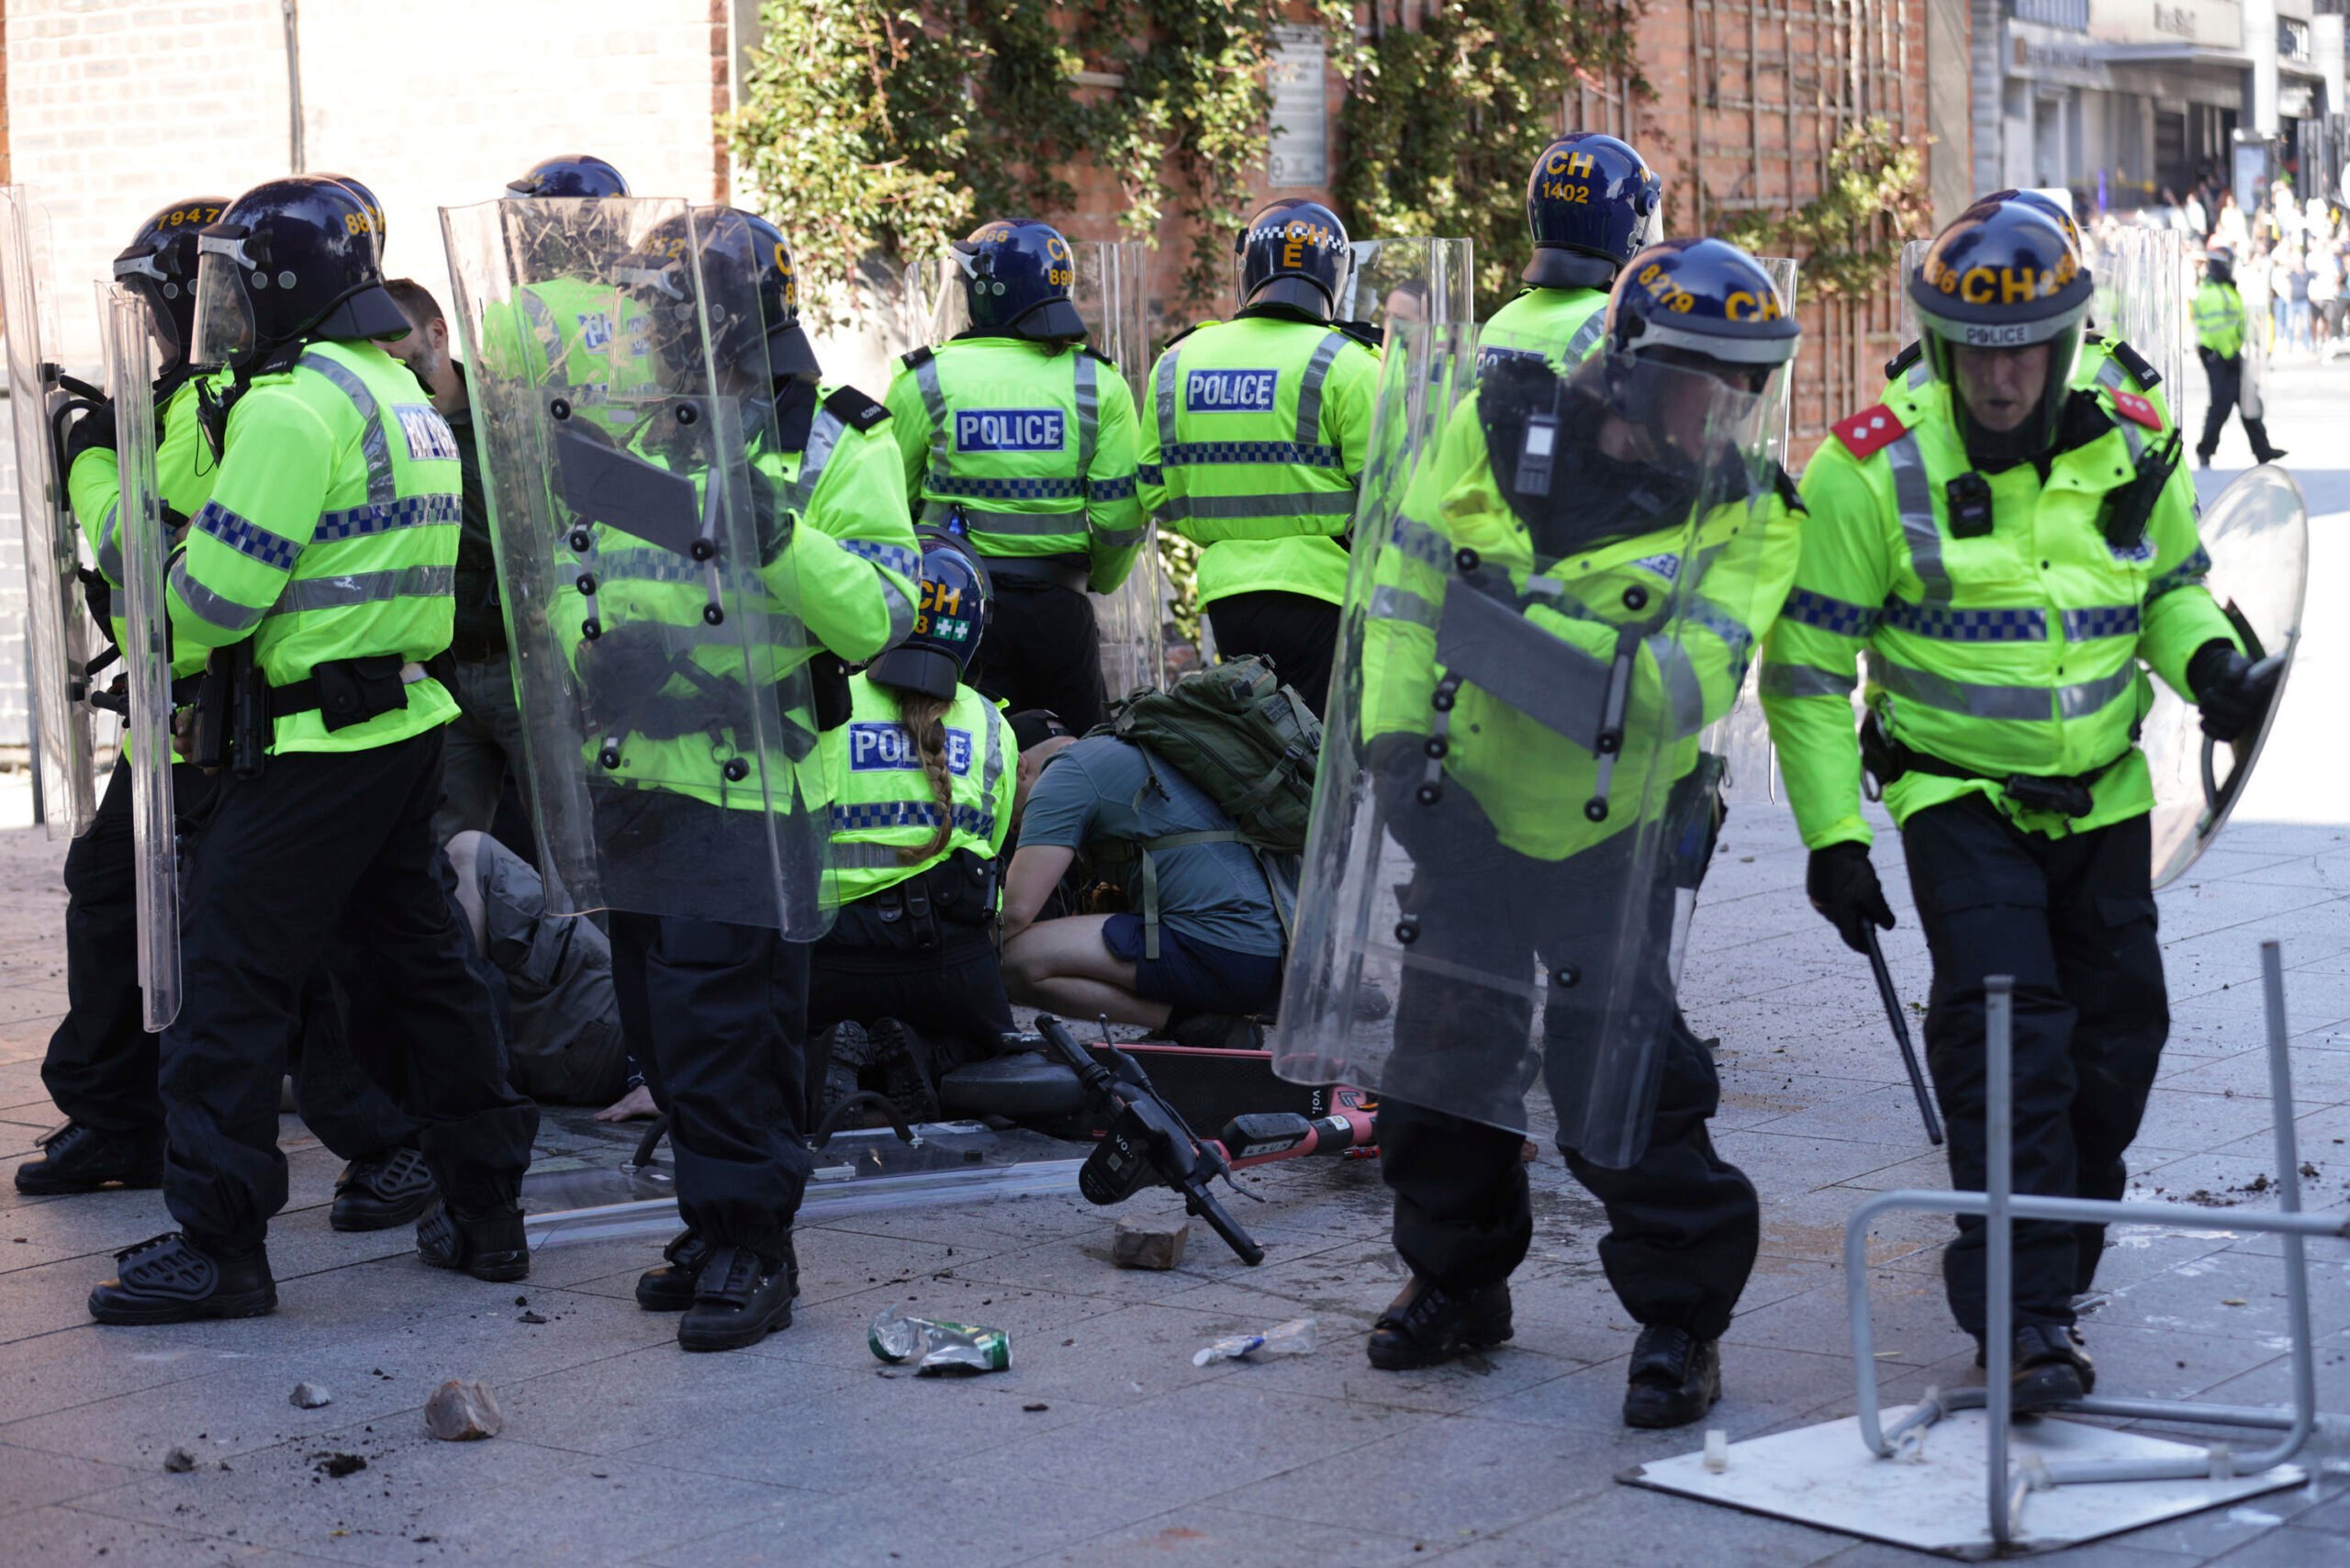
(2010, 546)
(100, 1066)
(2221, 332)
(1254, 433)
(1627, 499)
(906, 985)
(317, 571)
(1026, 434)
(572, 175)
(1592, 202)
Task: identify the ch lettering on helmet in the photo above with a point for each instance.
(1061, 273)
(1987, 285)
(1230, 391)
(430, 439)
(1740, 306)
(882, 747)
(791, 278)
(1664, 291)
(1008, 430)
(940, 615)
(1578, 165)
(1294, 236)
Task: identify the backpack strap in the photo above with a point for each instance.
(1143, 848)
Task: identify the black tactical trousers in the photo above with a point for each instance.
(718, 1017)
(352, 1107)
(1043, 650)
(947, 984)
(326, 862)
(2072, 921)
(2225, 378)
(1297, 631)
(1684, 1223)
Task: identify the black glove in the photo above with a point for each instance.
(1843, 887)
(94, 429)
(2232, 692)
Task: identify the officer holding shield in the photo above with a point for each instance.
(100, 1066)
(319, 570)
(1024, 432)
(1592, 202)
(2016, 551)
(1561, 607)
(1254, 433)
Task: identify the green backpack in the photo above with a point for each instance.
(1247, 742)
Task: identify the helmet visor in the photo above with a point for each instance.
(224, 315)
(1688, 408)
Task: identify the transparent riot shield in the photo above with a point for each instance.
(1112, 293)
(60, 637)
(2257, 533)
(1913, 256)
(1400, 283)
(2143, 299)
(1547, 621)
(146, 649)
(641, 538)
(1778, 419)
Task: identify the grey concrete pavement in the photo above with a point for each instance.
(1104, 1443)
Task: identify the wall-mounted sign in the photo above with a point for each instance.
(1300, 152)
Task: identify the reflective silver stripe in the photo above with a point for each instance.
(824, 434)
(2030, 704)
(1309, 396)
(1585, 336)
(1391, 603)
(2078, 701)
(1309, 503)
(1921, 375)
(1031, 525)
(1167, 400)
(861, 857)
(933, 403)
(382, 490)
(993, 772)
(902, 615)
(1426, 546)
(1088, 405)
(1915, 496)
(2111, 377)
(1682, 687)
(1805, 680)
(363, 588)
(226, 613)
(1117, 538)
(110, 547)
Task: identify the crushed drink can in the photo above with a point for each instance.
(937, 1349)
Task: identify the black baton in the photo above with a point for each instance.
(1901, 1038)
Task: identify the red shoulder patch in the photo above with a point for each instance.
(2130, 406)
(1870, 431)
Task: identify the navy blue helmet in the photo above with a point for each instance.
(2003, 277)
(1685, 306)
(749, 292)
(160, 264)
(948, 624)
(2057, 210)
(290, 260)
(366, 199)
(1016, 276)
(1295, 254)
(1592, 204)
(569, 174)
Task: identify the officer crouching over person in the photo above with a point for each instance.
(2010, 547)
(906, 985)
(318, 571)
(1566, 596)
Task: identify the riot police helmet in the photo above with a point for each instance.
(569, 174)
(948, 624)
(375, 208)
(2057, 211)
(289, 261)
(2002, 300)
(1294, 255)
(2219, 265)
(159, 265)
(1016, 274)
(1693, 307)
(1592, 204)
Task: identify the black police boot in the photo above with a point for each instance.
(490, 1245)
(903, 1063)
(2046, 1368)
(78, 1159)
(376, 1194)
(1426, 1324)
(1675, 1378)
(669, 1287)
(841, 1052)
(172, 1280)
(1216, 1032)
(740, 1299)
